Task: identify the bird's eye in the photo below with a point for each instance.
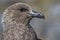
(27, 17)
(23, 9)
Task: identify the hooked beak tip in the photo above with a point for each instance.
(41, 16)
(37, 14)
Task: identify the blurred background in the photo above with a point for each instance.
(43, 28)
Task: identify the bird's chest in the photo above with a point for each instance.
(17, 33)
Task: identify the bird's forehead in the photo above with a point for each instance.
(21, 5)
(17, 7)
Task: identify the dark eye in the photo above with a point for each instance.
(27, 17)
(23, 9)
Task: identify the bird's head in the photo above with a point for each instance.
(24, 12)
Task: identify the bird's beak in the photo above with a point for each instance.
(37, 15)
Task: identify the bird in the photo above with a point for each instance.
(15, 22)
